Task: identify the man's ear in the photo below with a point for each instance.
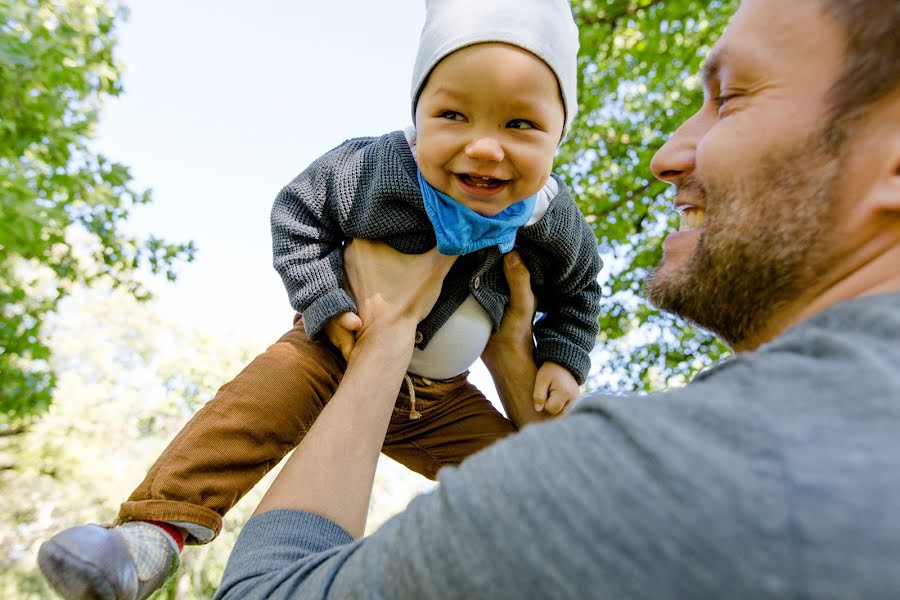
(885, 195)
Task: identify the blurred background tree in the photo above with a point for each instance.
(127, 381)
(56, 69)
(103, 382)
(639, 65)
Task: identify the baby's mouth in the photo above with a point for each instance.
(691, 218)
(485, 183)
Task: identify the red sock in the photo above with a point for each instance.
(171, 531)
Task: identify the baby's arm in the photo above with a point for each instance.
(567, 332)
(360, 189)
(307, 243)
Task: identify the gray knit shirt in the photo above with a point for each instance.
(368, 188)
(773, 475)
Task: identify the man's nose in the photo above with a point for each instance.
(676, 158)
(485, 147)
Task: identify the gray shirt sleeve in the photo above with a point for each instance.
(773, 475)
(571, 509)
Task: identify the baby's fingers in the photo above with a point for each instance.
(557, 401)
(349, 321)
(541, 392)
(345, 342)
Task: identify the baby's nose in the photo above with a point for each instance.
(485, 148)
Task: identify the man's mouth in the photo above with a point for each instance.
(691, 218)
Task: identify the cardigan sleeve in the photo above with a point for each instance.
(364, 188)
(570, 293)
(307, 242)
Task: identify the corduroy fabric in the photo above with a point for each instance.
(368, 188)
(265, 411)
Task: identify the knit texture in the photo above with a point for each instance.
(152, 550)
(367, 188)
(773, 475)
(543, 27)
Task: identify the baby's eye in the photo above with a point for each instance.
(452, 115)
(521, 124)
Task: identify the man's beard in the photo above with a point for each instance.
(766, 240)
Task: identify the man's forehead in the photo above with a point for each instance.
(774, 31)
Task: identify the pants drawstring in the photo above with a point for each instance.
(413, 413)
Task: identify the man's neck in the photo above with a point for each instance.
(878, 274)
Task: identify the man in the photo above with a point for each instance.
(774, 474)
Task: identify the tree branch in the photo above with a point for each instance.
(639, 222)
(14, 431)
(613, 20)
(629, 195)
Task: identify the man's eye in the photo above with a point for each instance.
(521, 124)
(452, 115)
(722, 100)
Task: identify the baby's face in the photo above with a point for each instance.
(487, 126)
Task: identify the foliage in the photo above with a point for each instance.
(128, 380)
(56, 68)
(638, 66)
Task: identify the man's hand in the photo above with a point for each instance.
(509, 354)
(554, 389)
(389, 286)
(331, 472)
(341, 332)
(514, 334)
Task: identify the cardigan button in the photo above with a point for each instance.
(476, 283)
(419, 337)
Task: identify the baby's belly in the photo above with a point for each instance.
(457, 345)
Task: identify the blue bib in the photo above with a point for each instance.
(461, 230)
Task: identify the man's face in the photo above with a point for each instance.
(488, 122)
(761, 217)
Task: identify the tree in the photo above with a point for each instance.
(60, 202)
(638, 65)
(127, 381)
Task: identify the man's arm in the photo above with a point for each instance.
(625, 497)
(332, 470)
(597, 504)
(509, 355)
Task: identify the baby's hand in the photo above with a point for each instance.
(341, 332)
(554, 389)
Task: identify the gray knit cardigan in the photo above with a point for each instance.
(368, 188)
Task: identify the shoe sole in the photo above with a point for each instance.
(70, 576)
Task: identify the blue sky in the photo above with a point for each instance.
(226, 102)
(223, 105)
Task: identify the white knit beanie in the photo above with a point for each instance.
(543, 27)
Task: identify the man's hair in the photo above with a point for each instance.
(871, 60)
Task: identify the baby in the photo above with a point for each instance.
(493, 95)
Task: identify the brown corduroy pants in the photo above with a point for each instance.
(264, 412)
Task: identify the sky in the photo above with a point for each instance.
(224, 103)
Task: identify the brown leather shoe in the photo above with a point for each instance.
(95, 562)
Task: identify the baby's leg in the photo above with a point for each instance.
(227, 447)
(457, 421)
